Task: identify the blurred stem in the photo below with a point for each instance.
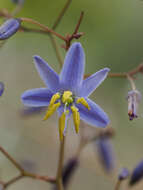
(12, 160)
(15, 179)
(61, 14)
(118, 185)
(59, 181)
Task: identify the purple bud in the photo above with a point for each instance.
(1, 88)
(106, 154)
(134, 97)
(137, 174)
(9, 27)
(69, 170)
(18, 1)
(124, 173)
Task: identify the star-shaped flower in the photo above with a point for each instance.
(68, 92)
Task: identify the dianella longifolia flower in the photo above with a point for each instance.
(9, 27)
(137, 174)
(134, 97)
(68, 92)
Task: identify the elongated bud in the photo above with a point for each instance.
(69, 170)
(54, 98)
(124, 174)
(106, 153)
(133, 98)
(51, 110)
(1, 88)
(76, 118)
(137, 174)
(9, 27)
(83, 102)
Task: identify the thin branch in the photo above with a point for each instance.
(57, 21)
(12, 160)
(78, 24)
(45, 28)
(13, 180)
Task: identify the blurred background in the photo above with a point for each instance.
(113, 38)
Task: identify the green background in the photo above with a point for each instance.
(113, 38)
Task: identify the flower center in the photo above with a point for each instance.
(69, 102)
(67, 98)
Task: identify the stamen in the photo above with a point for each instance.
(83, 102)
(62, 121)
(54, 98)
(76, 118)
(67, 97)
(51, 110)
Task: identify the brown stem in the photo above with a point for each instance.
(12, 160)
(45, 28)
(78, 24)
(15, 179)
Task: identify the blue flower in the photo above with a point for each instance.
(68, 92)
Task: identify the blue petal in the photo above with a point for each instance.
(71, 76)
(92, 82)
(95, 116)
(37, 97)
(48, 75)
(1, 88)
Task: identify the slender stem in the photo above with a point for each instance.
(17, 9)
(57, 21)
(15, 179)
(55, 46)
(131, 82)
(78, 24)
(118, 185)
(60, 165)
(45, 28)
(12, 160)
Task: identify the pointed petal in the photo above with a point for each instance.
(95, 116)
(37, 97)
(92, 82)
(48, 75)
(71, 75)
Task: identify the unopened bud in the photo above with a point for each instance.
(9, 27)
(133, 98)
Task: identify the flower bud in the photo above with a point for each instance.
(69, 170)
(9, 27)
(1, 88)
(124, 173)
(134, 97)
(106, 154)
(137, 174)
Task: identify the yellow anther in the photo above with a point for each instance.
(67, 97)
(51, 110)
(54, 98)
(62, 121)
(76, 118)
(83, 102)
